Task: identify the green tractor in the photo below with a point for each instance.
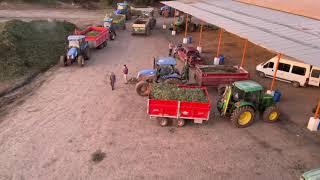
(242, 99)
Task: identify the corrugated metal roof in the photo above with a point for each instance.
(289, 34)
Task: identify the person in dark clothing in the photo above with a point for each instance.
(171, 46)
(112, 80)
(125, 72)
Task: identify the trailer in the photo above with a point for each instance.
(166, 110)
(97, 37)
(219, 75)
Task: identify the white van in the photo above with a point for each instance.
(289, 70)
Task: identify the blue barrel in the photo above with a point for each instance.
(221, 59)
(189, 39)
(277, 96)
(319, 126)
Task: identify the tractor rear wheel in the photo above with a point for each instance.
(143, 88)
(242, 117)
(80, 61)
(271, 114)
(221, 89)
(63, 61)
(173, 81)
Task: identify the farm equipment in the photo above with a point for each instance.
(242, 99)
(166, 11)
(188, 54)
(163, 71)
(97, 37)
(78, 51)
(179, 24)
(144, 24)
(123, 8)
(219, 75)
(180, 109)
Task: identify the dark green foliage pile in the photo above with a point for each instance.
(31, 47)
(166, 91)
(219, 69)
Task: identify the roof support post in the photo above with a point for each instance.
(219, 42)
(275, 72)
(244, 52)
(316, 114)
(186, 30)
(200, 38)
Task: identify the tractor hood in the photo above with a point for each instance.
(146, 72)
(72, 53)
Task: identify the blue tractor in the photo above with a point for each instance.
(124, 8)
(164, 71)
(77, 51)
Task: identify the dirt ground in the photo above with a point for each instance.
(52, 132)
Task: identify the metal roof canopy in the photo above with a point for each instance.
(289, 34)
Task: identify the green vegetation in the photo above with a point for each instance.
(31, 47)
(166, 91)
(219, 69)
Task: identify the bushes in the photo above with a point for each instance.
(31, 47)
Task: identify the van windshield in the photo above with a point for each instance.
(268, 65)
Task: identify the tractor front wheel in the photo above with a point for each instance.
(143, 88)
(242, 117)
(271, 114)
(80, 61)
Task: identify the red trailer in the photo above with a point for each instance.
(219, 75)
(165, 110)
(96, 36)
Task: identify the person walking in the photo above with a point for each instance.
(125, 72)
(112, 80)
(171, 46)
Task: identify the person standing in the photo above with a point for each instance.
(125, 72)
(112, 80)
(171, 46)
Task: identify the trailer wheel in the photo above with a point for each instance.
(63, 61)
(124, 27)
(87, 54)
(261, 74)
(163, 121)
(105, 43)
(80, 61)
(181, 122)
(143, 88)
(112, 36)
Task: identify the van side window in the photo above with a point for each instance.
(284, 67)
(315, 73)
(298, 70)
(268, 65)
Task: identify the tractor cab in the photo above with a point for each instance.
(107, 22)
(163, 67)
(242, 99)
(77, 51)
(76, 41)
